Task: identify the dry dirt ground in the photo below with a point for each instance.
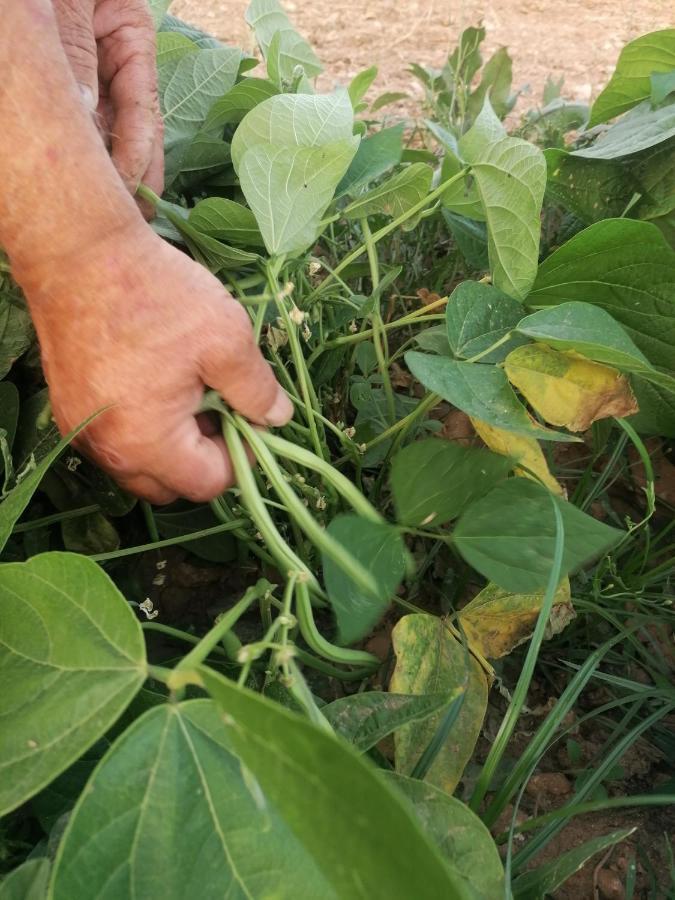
(577, 39)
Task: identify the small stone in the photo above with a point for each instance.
(550, 784)
(609, 885)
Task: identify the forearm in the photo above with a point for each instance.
(59, 191)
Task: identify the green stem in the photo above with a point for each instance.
(502, 340)
(149, 517)
(226, 622)
(169, 542)
(55, 517)
(379, 335)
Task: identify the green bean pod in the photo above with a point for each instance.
(316, 642)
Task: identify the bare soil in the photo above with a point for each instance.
(577, 39)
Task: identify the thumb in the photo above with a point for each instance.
(75, 21)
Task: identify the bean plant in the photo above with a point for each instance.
(550, 319)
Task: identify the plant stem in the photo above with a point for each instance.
(55, 517)
(379, 335)
(169, 542)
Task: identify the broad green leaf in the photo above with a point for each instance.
(124, 839)
(176, 523)
(591, 331)
(480, 391)
(357, 830)
(592, 189)
(434, 340)
(60, 795)
(268, 19)
(16, 331)
(434, 480)
(238, 101)
(172, 46)
(509, 536)
(289, 56)
(471, 238)
(430, 660)
(376, 155)
(195, 83)
(457, 832)
(479, 315)
(462, 196)
(290, 188)
(465, 60)
(364, 719)
(93, 533)
(204, 157)
(639, 129)
(495, 82)
(510, 176)
(380, 548)
(359, 85)
(19, 497)
(631, 81)
(386, 99)
(628, 269)
(662, 86)
(567, 389)
(28, 882)
(226, 220)
(395, 196)
(175, 25)
(215, 255)
(72, 657)
(523, 451)
(496, 621)
(548, 877)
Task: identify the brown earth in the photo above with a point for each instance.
(571, 38)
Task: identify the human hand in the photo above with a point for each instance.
(135, 325)
(110, 45)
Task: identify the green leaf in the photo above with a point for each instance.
(434, 340)
(376, 155)
(172, 46)
(193, 85)
(215, 255)
(359, 85)
(175, 25)
(93, 533)
(495, 82)
(465, 60)
(380, 548)
(359, 833)
(434, 480)
(592, 332)
(386, 99)
(471, 238)
(16, 331)
(631, 81)
(509, 536)
(592, 189)
(204, 157)
(290, 188)
(395, 196)
(364, 719)
(641, 128)
(457, 832)
(28, 882)
(628, 269)
(479, 315)
(124, 839)
(243, 97)
(510, 176)
(72, 657)
(226, 220)
(548, 877)
(268, 20)
(176, 523)
(480, 391)
(430, 660)
(9, 417)
(662, 86)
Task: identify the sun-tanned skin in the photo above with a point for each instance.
(124, 320)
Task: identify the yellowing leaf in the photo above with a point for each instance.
(496, 621)
(521, 449)
(568, 389)
(430, 659)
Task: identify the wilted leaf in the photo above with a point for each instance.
(509, 536)
(434, 480)
(523, 450)
(631, 81)
(430, 660)
(567, 389)
(364, 719)
(457, 832)
(477, 316)
(480, 391)
(496, 621)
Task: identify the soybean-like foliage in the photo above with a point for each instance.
(226, 770)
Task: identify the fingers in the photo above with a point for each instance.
(196, 467)
(126, 41)
(75, 21)
(233, 365)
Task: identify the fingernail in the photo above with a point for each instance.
(281, 410)
(88, 97)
